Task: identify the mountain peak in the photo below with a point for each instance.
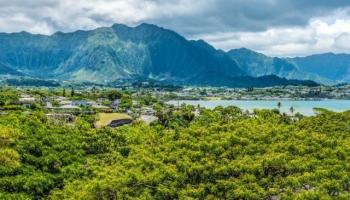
(242, 50)
(245, 52)
(203, 44)
(111, 53)
(117, 25)
(245, 49)
(140, 26)
(148, 25)
(147, 50)
(152, 27)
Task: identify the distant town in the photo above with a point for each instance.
(113, 107)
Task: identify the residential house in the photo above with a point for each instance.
(119, 122)
(147, 111)
(65, 103)
(83, 103)
(60, 118)
(115, 104)
(26, 101)
(69, 107)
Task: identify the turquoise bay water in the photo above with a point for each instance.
(303, 107)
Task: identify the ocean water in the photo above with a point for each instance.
(303, 107)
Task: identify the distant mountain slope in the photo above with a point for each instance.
(107, 54)
(331, 66)
(257, 64)
(249, 81)
(6, 70)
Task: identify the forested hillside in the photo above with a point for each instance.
(110, 54)
(220, 154)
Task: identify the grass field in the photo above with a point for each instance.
(212, 98)
(106, 118)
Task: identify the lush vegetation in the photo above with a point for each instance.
(112, 55)
(220, 154)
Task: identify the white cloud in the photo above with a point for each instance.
(283, 27)
(68, 15)
(319, 36)
(343, 42)
(12, 22)
(41, 28)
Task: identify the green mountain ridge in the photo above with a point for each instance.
(120, 52)
(6, 70)
(111, 53)
(326, 68)
(329, 65)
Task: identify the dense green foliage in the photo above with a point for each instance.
(31, 82)
(7, 96)
(221, 154)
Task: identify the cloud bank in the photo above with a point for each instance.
(274, 27)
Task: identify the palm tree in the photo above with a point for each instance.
(72, 92)
(291, 109)
(279, 105)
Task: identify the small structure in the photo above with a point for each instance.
(83, 103)
(65, 103)
(60, 118)
(69, 107)
(148, 111)
(115, 104)
(119, 122)
(112, 119)
(148, 118)
(26, 101)
(99, 106)
(101, 100)
(49, 105)
(60, 98)
(275, 197)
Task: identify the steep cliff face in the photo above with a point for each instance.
(108, 54)
(6, 70)
(145, 51)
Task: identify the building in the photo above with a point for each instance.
(115, 104)
(119, 122)
(69, 107)
(148, 118)
(26, 101)
(65, 103)
(82, 103)
(60, 118)
(147, 111)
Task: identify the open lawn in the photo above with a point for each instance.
(106, 118)
(212, 98)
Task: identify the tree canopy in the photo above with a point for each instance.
(220, 154)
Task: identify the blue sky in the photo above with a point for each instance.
(274, 27)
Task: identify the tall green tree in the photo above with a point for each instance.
(114, 94)
(279, 105)
(72, 93)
